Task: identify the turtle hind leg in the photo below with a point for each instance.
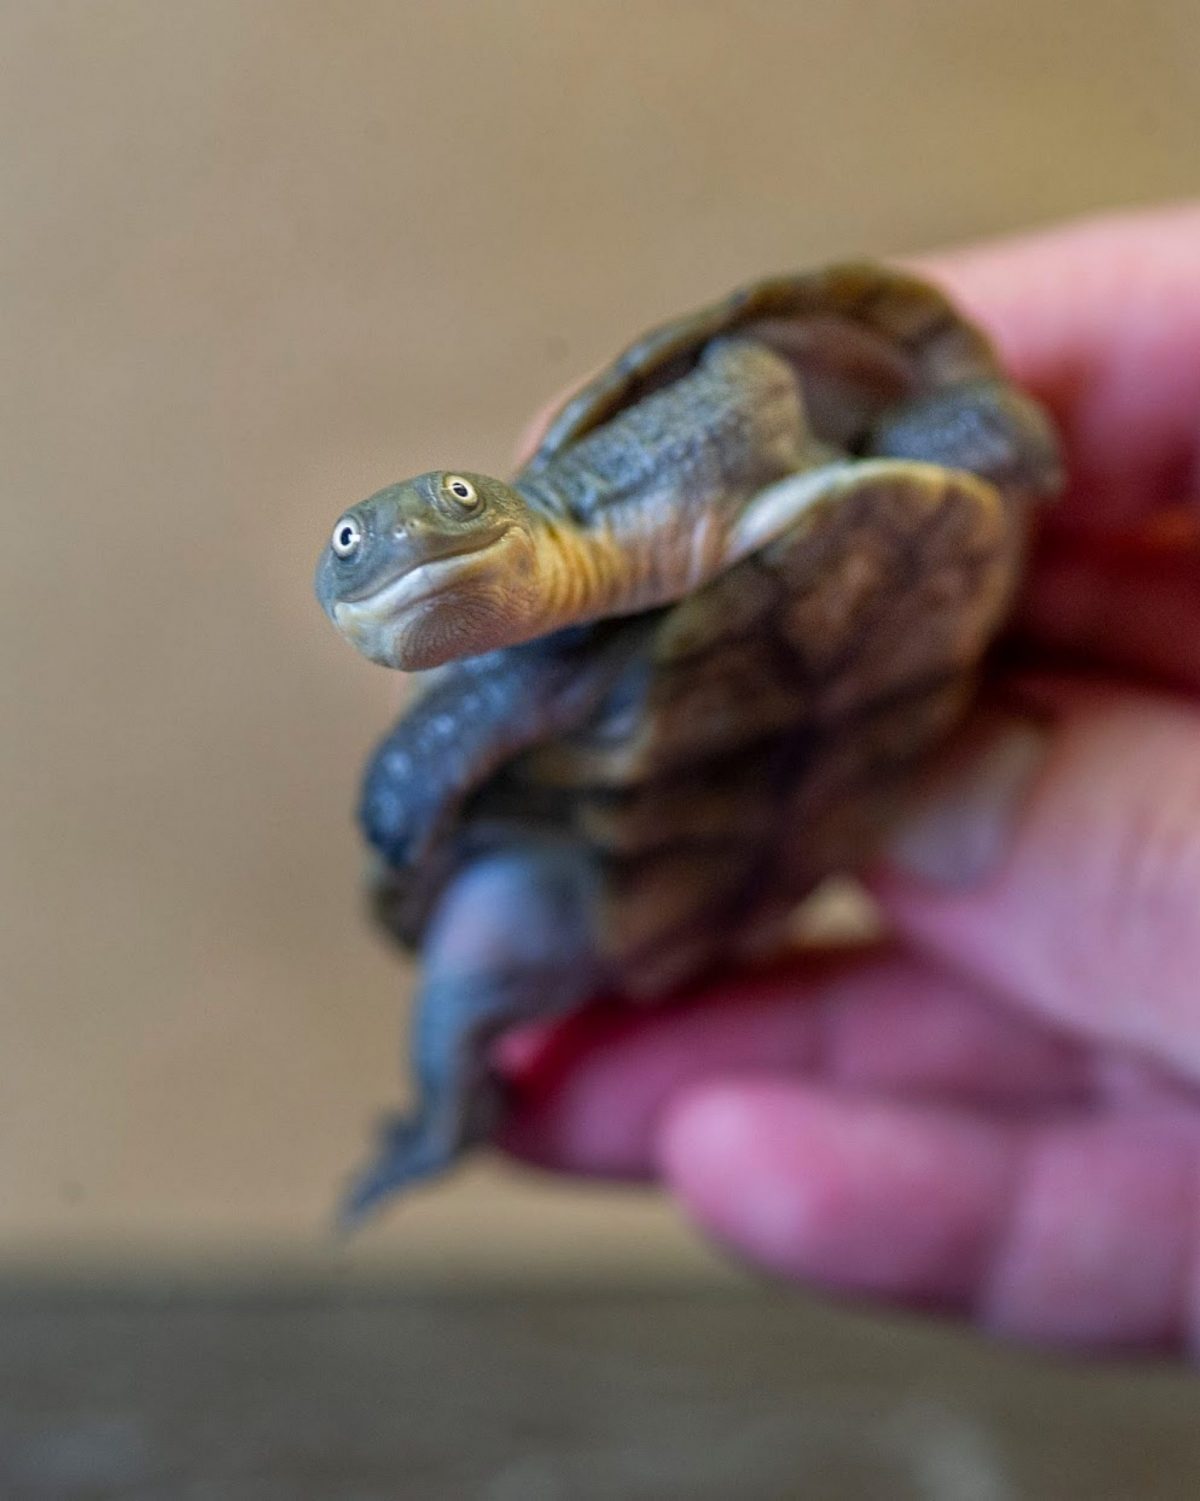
(512, 940)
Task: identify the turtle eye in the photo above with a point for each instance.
(347, 537)
(461, 491)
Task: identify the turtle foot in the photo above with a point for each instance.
(411, 1149)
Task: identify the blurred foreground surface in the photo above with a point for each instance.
(366, 1396)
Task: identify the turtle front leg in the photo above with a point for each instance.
(513, 940)
(473, 717)
(984, 426)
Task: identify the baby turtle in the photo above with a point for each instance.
(678, 669)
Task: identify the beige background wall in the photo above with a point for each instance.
(260, 258)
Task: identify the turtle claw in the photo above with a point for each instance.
(410, 1149)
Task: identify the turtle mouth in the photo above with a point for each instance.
(423, 581)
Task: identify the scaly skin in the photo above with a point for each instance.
(451, 565)
(474, 716)
(527, 886)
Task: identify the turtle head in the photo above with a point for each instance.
(442, 566)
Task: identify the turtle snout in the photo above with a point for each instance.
(413, 533)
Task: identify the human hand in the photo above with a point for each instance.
(998, 1113)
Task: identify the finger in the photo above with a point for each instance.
(587, 1095)
(1101, 320)
(1136, 613)
(1072, 1233)
(531, 435)
(1073, 889)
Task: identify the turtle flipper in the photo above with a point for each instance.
(475, 715)
(511, 941)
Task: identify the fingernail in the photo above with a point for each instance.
(963, 816)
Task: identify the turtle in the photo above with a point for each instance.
(680, 668)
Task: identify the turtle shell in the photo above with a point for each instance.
(766, 724)
(862, 337)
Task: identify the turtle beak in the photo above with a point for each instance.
(380, 623)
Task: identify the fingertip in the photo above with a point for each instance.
(717, 1152)
(535, 429)
(850, 1195)
(705, 1136)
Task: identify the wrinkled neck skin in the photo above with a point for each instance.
(609, 568)
(622, 563)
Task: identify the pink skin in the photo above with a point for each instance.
(998, 1113)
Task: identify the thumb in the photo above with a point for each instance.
(1058, 860)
